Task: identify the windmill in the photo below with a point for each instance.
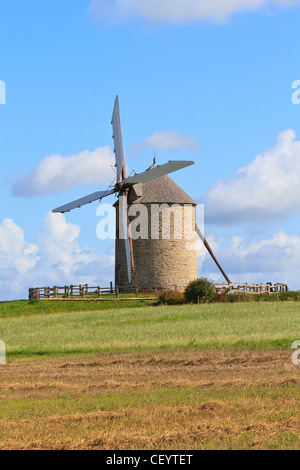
(125, 186)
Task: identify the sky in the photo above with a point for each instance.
(212, 81)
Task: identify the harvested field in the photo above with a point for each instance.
(192, 399)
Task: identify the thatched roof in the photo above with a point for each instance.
(161, 190)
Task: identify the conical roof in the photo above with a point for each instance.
(160, 190)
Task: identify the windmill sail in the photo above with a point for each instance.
(157, 171)
(82, 201)
(121, 175)
(118, 140)
(123, 185)
(124, 231)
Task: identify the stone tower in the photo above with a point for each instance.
(165, 252)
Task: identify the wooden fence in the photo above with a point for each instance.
(245, 288)
(84, 291)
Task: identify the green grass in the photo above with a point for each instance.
(25, 408)
(19, 409)
(257, 325)
(20, 308)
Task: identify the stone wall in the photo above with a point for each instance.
(166, 262)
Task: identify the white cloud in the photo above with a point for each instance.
(55, 259)
(275, 259)
(16, 255)
(168, 140)
(56, 173)
(179, 11)
(266, 190)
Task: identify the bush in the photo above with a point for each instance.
(273, 297)
(221, 296)
(232, 298)
(290, 295)
(172, 298)
(200, 290)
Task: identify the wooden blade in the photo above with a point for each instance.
(118, 139)
(129, 236)
(125, 233)
(84, 200)
(157, 172)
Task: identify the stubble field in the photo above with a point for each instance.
(179, 394)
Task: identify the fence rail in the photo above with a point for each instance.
(245, 288)
(84, 291)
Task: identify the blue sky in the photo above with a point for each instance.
(214, 77)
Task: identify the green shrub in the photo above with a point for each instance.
(290, 295)
(232, 298)
(274, 297)
(201, 290)
(241, 297)
(172, 298)
(220, 296)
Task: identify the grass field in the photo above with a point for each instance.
(153, 328)
(213, 376)
(21, 308)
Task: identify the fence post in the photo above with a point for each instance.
(99, 292)
(111, 288)
(117, 292)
